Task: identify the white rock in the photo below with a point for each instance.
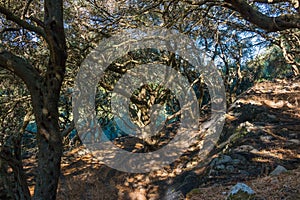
(240, 191)
(278, 170)
(241, 187)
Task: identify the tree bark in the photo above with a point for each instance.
(270, 24)
(45, 92)
(45, 104)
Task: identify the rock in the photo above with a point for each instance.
(174, 195)
(230, 168)
(223, 159)
(239, 157)
(254, 151)
(272, 116)
(244, 172)
(266, 138)
(190, 182)
(240, 191)
(278, 170)
(220, 167)
(293, 141)
(292, 144)
(246, 148)
(182, 186)
(236, 161)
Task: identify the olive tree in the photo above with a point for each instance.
(44, 84)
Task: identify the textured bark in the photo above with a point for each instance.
(13, 157)
(45, 104)
(270, 24)
(19, 173)
(45, 91)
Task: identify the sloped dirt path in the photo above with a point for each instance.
(262, 131)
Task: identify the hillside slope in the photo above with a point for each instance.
(261, 131)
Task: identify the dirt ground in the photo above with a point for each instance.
(262, 127)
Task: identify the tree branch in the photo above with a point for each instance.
(270, 24)
(10, 29)
(271, 1)
(10, 16)
(20, 67)
(68, 130)
(26, 8)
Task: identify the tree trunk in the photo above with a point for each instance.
(49, 157)
(45, 98)
(22, 191)
(45, 105)
(19, 189)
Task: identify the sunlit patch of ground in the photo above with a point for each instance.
(285, 186)
(270, 113)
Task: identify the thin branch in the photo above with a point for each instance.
(10, 16)
(26, 8)
(10, 29)
(68, 130)
(37, 21)
(272, 1)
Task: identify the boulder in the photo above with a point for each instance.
(240, 191)
(223, 159)
(278, 170)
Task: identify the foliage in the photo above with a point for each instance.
(269, 65)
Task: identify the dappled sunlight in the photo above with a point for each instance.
(257, 136)
(279, 153)
(270, 187)
(261, 131)
(266, 135)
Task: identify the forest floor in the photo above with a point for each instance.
(262, 131)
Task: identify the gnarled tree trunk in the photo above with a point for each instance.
(45, 91)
